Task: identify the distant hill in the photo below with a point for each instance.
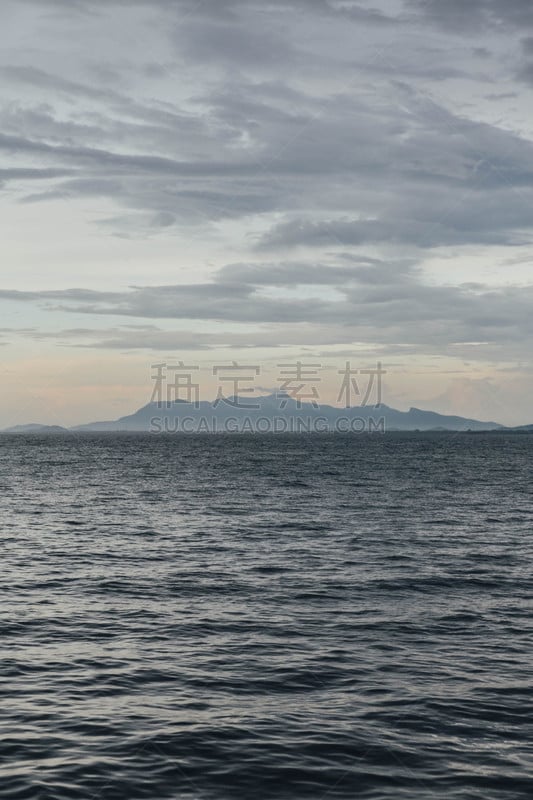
(35, 428)
(524, 429)
(230, 416)
(185, 417)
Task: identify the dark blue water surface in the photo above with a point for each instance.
(266, 617)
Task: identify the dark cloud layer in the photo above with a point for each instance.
(473, 15)
(264, 137)
(328, 134)
(384, 303)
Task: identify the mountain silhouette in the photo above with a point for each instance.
(284, 413)
(272, 413)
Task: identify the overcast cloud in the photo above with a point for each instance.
(328, 171)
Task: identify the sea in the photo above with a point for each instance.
(266, 616)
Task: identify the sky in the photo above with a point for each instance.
(266, 183)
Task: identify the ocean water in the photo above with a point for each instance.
(266, 617)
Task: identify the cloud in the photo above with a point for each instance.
(464, 17)
(153, 338)
(229, 10)
(451, 229)
(325, 148)
(524, 72)
(416, 173)
(384, 304)
(294, 273)
(32, 174)
(248, 143)
(127, 337)
(424, 177)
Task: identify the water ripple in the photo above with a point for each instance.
(285, 617)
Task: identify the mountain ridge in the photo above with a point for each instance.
(238, 414)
